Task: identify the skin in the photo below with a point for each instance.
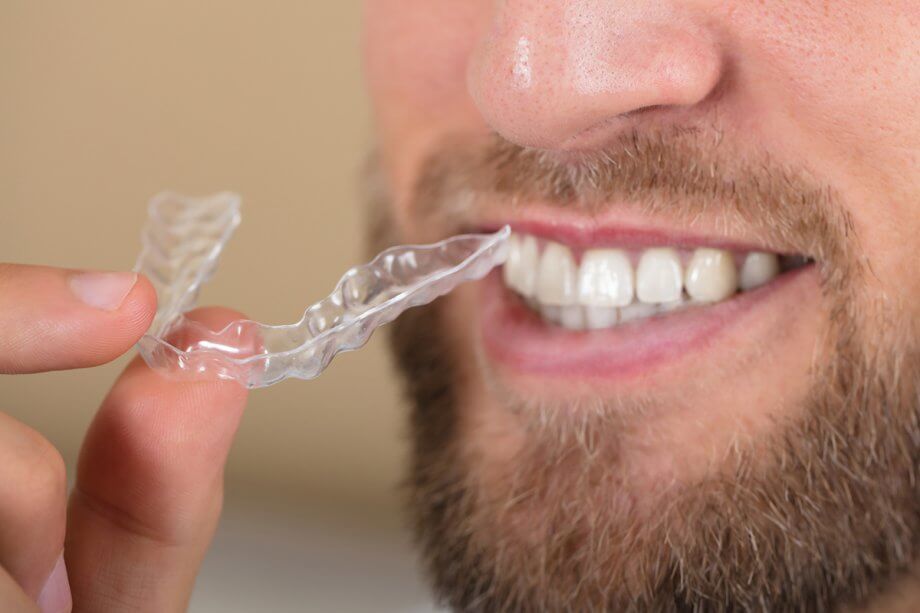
(149, 482)
(828, 89)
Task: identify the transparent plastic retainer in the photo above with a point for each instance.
(182, 242)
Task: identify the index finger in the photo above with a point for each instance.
(55, 319)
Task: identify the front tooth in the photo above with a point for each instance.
(552, 314)
(557, 276)
(637, 310)
(667, 307)
(605, 278)
(711, 275)
(659, 278)
(573, 317)
(599, 317)
(758, 269)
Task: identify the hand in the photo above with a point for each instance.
(149, 481)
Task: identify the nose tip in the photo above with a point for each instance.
(560, 75)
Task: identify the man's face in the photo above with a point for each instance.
(695, 383)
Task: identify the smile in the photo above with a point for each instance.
(568, 305)
(605, 287)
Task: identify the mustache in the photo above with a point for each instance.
(683, 175)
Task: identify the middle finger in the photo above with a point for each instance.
(33, 503)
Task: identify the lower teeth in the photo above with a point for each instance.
(576, 317)
(544, 273)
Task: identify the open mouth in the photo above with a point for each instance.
(619, 304)
(591, 289)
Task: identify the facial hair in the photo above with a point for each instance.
(824, 512)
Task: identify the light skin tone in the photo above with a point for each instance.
(816, 100)
(148, 487)
(824, 90)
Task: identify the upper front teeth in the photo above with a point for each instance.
(660, 277)
(557, 278)
(605, 279)
(606, 288)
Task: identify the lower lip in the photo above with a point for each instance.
(516, 338)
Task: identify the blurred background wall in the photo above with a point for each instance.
(103, 104)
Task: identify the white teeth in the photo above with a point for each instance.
(660, 277)
(711, 275)
(605, 278)
(598, 317)
(520, 271)
(551, 313)
(637, 310)
(758, 269)
(572, 317)
(605, 290)
(557, 277)
(673, 306)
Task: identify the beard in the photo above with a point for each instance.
(820, 513)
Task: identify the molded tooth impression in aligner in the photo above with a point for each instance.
(182, 242)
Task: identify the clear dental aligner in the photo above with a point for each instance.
(182, 242)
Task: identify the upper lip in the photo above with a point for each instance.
(624, 228)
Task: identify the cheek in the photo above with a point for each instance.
(416, 54)
(837, 85)
(846, 77)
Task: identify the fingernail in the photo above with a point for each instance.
(103, 290)
(55, 595)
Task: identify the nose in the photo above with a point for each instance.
(566, 74)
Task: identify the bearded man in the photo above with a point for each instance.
(696, 383)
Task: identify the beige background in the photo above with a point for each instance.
(104, 103)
